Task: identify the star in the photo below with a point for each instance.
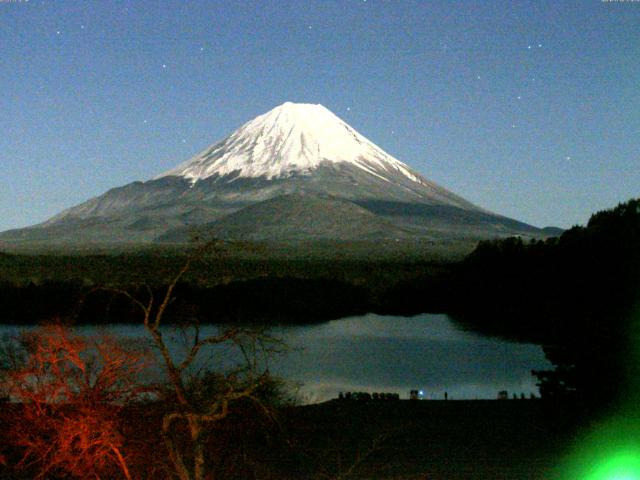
(478, 77)
(348, 109)
(81, 27)
(513, 125)
(539, 45)
(310, 27)
(184, 140)
(568, 158)
(58, 32)
(202, 49)
(529, 47)
(519, 97)
(164, 65)
(145, 122)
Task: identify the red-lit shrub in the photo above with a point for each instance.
(70, 391)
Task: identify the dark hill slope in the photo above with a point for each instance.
(295, 217)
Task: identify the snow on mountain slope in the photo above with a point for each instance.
(291, 138)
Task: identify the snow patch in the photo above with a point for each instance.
(293, 138)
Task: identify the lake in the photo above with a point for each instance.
(374, 353)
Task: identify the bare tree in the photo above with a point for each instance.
(70, 389)
(203, 399)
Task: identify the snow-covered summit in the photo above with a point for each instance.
(293, 138)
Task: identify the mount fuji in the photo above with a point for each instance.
(297, 172)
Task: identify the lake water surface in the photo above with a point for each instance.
(376, 353)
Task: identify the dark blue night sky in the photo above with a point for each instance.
(529, 109)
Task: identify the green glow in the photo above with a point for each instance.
(619, 466)
(610, 451)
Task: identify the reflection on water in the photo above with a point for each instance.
(397, 354)
(389, 354)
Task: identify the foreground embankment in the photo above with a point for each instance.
(402, 439)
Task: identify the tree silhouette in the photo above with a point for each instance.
(578, 295)
(197, 403)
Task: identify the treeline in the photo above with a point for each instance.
(224, 265)
(231, 284)
(227, 287)
(585, 280)
(577, 294)
(265, 300)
